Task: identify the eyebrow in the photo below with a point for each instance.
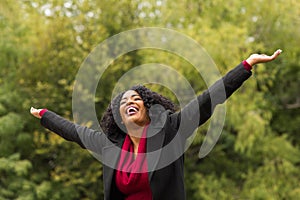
(130, 96)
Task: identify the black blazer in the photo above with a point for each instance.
(166, 138)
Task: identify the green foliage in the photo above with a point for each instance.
(43, 43)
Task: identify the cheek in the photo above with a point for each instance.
(121, 113)
(145, 112)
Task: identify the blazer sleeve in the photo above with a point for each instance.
(87, 138)
(199, 110)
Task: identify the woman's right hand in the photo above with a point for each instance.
(35, 112)
(262, 58)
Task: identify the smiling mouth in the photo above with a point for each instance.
(131, 110)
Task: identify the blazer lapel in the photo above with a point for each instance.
(155, 141)
(111, 156)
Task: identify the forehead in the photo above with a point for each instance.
(130, 93)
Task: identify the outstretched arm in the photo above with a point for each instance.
(85, 137)
(200, 110)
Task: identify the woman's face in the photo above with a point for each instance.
(132, 109)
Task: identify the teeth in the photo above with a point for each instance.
(131, 110)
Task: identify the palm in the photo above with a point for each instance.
(35, 112)
(262, 58)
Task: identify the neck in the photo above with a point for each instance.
(135, 135)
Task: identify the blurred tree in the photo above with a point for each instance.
(43, 44)
(15, 143)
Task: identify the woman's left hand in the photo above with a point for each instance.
(35, 112)
(262, 58)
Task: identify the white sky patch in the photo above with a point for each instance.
(68, 4)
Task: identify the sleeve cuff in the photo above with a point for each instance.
(41, 113)
(247, 65)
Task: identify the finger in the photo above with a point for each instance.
(31, 109)
(277, 52)
(35, 112)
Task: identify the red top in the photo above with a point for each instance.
(247, 65)
(41, 113)
(131, 174)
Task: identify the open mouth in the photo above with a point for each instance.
(131, 110)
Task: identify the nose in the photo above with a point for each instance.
(129, 101)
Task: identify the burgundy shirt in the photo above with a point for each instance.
(132, 175)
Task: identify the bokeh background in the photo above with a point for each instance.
(44, 42)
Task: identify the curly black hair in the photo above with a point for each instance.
(111, 120)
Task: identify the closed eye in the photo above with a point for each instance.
(134, 97)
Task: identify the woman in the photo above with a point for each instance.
(138, 127)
